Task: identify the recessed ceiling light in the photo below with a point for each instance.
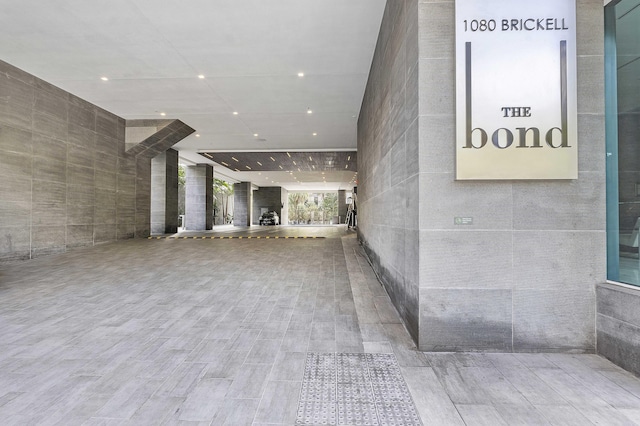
(235, 159)
(346, 166)
(290, 173)
(259, 173)
(248, 167)
(289, 155)
(310, 159)
(313, 166)
(300, 74)
(349, 158)
(259, 163)
(255, 134)
(197, 135)
(104, 78)
(315, 134)
(280, 167)
(235, 112)
(201, 76)
(294, 163)
(272, 159)
(225, 164)
(267, 178)
(237, 170)
(299, 169)
(309, 111)
(163, 114)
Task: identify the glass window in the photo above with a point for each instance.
(622, 86)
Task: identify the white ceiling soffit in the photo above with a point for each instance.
(248, 51)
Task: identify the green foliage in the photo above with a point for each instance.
(318, 208)
(182, 175)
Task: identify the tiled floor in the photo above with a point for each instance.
(218, 332)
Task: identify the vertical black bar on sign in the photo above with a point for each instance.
(563, 92)
(467, 88)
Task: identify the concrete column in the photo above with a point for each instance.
(270, 198)
(342, 205)
(242, 204)
(199, 198)
(164, 193)
(284, 201)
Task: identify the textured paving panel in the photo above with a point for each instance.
(354, 389)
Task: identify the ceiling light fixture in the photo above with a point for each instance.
(104, 78)
(235, 112)
(349, 158)
(235, 159)
(300, 74)
(289, 155)
(309, 111)
(255, 134)
(281, 168)
(272, 159)
(163, 114)
(310, 159)
(197, 135)
(201, 76)
(294, 163)
(315, 134)
(225, 164)
(259, 163)
(346, 166)
(248, 167)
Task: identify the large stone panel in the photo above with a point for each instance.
(466, 259)
(618, 324)
(561, 319)
(465, 319)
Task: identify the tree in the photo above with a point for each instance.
(297, 201)
(182, 179)
(222, 191)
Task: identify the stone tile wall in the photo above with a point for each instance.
(67, 177)
(66, 180)
(388, 160)
(523, 276)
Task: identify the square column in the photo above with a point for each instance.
(342, 206)
(242, 204)
(199, 198)
(164, 193)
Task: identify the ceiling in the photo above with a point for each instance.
(227, 68)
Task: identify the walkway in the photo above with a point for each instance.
(259, 332)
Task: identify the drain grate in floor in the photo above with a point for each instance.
(355, 389)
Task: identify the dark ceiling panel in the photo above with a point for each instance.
(286, 161)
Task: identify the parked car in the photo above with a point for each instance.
(269, 218)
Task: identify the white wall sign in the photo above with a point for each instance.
(516, 108)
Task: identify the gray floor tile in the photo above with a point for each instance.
(220, 334)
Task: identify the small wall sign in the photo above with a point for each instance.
(516, 94)
(462, 220)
